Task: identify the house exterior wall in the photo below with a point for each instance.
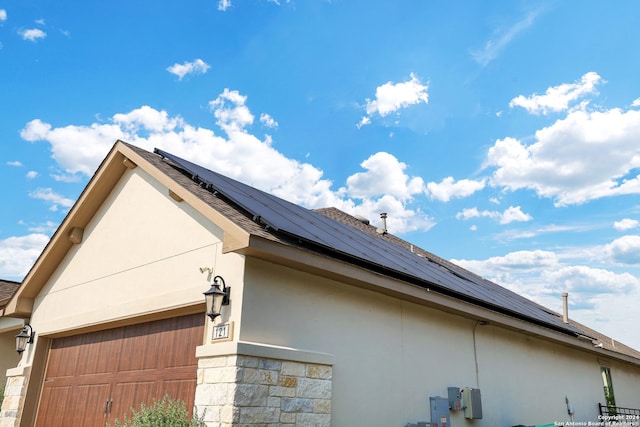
(626, 384)
(391, 355)
(140, 255)
(303, 350)
(9, 328)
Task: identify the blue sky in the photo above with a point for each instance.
(504, 136)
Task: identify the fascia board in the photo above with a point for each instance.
(90, 200)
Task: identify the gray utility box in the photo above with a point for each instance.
(439, 411)
(472, 403)
(455, 398)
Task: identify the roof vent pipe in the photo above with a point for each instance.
(383, 215)
(565, 307)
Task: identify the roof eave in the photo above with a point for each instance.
(334, 269)
(96, 191)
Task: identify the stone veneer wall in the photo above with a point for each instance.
(13, 400)
(253, 391)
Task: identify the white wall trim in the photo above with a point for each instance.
(245, 348)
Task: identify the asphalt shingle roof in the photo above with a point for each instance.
(7, 289)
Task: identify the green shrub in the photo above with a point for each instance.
(2, 386)
(166, 412)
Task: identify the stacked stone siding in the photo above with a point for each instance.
(13, 400)
(253, 391)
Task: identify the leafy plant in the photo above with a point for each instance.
(2, 386)
(166, 412)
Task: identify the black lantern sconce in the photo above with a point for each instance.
(216, 297)
(26, 336)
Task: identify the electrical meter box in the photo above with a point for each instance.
(455, 398)
(439, 411)
(472, 403)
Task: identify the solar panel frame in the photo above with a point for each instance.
(335, 237)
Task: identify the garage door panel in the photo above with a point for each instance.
(130, 395)
(125, 366)
(89, 400)
(141, 343)
(191, 331)
(50, 399)
(63, 357)
(99, 352)
(80, 403)
(185, 387)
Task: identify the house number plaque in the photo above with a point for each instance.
(221, 332)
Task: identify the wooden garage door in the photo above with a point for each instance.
(94, 378)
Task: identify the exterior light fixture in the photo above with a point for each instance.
(26, 336)
(216, 297)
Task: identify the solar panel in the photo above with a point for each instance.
(318, 230)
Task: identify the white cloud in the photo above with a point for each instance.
(501, 39)
(363, 122)
(224, 5)
(32, 34)
(540, 276)
(32, 174)
(384, 175)
(232, 115)
(77, 149)
(585, 156)
(146, 119)
(558, 98)
(589, 281)
(46, 228)
(268, 121)
(195, 67)
(3, 15)
(509, 215)
(48, 195)
(624, 250)
(636, 102)
(400, 218)
(626, 224)
(520, 260)
(514, 214)
(449, 189)
(17, 254)
(15, 163)
(469, 213)
(237, 153)
(391, 97)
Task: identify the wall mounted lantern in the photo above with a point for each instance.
(26, 336)
(216, 297)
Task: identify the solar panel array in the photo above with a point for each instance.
(318, 230)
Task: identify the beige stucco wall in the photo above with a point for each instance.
(626, 383)
(140, 254)
(391, 356)
(9, 328)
